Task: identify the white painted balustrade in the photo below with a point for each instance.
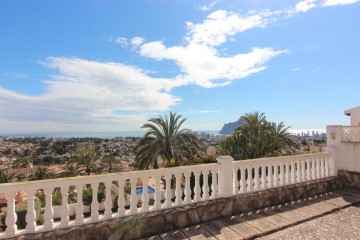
(173, 187)
(259, 174)
(118, 202)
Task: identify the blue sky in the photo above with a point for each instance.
(70, 66)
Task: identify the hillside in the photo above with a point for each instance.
(230, 127)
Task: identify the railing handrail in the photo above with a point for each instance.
(108, 176)
(283, 157)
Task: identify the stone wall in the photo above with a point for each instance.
(350, 178)
(142, 225)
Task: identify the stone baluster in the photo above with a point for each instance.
(292, 171)
(302, 165)
(178, 189)
(256, 178)
(145, 196)
(94, 203)
(31, 214)
(11, 217)
(121, 198)
(282, 174)
(242, 180)
(214, 185)
(322, 166)
(206, 185)
(108, 200)
(157, 204)
(276, 174)
(288, 172)
(251, 171)
(318, 162)
(263, 177)
(79, 204)
(313, 167)
(197, 189)
(168, 191)
(308, 169)
(327, 170)
(64, 206)
(133, 198)
(49, 211)
(270, 176)
(235, 181)
(298, 171)
(187, 188)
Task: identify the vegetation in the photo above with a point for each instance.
(109, 161)
(87, 156)
(258, 138)
(21, 211)
(42, 173)
(72, 170)
(165, 140)
(6, 176)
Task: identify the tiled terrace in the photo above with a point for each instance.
(266, 221)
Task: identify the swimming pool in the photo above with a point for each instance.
(139, 190)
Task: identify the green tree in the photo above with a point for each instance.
(166, 140)
(257, 138)
(71, 170)
(23, 162)
(109, 161)
(87, 156)
(42, 173)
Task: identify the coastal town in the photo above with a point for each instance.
(23, 155)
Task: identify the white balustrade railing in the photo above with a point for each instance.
(179, 189)
(259, 174)
(183, 185)
(350, 134)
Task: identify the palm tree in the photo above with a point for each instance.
(235, 146)
(281, 141)
(110, 161)
(165, 140)
(43, 173)
(71, 170)
(258, 138)
(6, 176)
(87, 156)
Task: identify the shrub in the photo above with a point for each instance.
(21, 211)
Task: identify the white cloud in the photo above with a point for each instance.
(201, 65)
(209, 6)
(88, 92)
(305, 5)
(200, 61)
(221, 24)
(203, 111)
(137, 41)
(327, 3)
(84, 95)
(122, 41)
(17, 75)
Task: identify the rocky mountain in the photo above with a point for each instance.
(230, 127)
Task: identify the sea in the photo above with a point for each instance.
(89, 134)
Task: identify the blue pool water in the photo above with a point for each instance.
(139, 190)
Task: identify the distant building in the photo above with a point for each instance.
(354, 114)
